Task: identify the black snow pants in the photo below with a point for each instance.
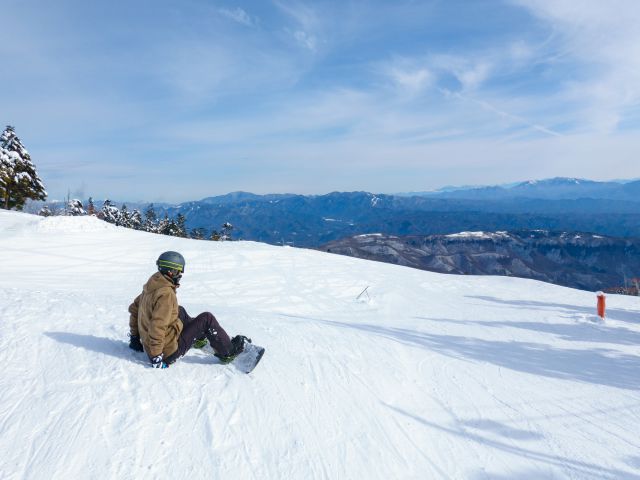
(204, 325)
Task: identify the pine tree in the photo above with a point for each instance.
(151, 220)
(125, 218)
(173, 227)
(45, 212)
(181, 227)
(226, 231)
(135, 220)
(19, 180)
(165, 226)
(197, 233)
(110, 212)
(75, 208)
(215, 236)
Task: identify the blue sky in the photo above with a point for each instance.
(172, 101)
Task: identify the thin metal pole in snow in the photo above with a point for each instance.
(363, 291)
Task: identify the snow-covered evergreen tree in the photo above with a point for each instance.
(110, 212)
(19, 180)
(226, 231)
(75, 208)
(181, 226)
(172, 227)
(135, 220)
(164, 226)
(197, 233)
(125, 217)
(45, 212)
(151, 220)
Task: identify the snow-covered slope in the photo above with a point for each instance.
(424, 376)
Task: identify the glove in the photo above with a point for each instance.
(158, 362)
(135, 344)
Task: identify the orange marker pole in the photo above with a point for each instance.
(602, 304)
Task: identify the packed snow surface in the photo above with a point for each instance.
(426, 376)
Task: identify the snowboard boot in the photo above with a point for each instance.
(237, 347)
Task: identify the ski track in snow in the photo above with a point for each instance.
(425, 376)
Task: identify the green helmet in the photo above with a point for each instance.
(171, 262)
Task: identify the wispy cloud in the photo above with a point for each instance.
(470, 71)
(303, 13)
(238, 15)
(473, 86)
(306, 40)
(601, 41)
(409, 77)
(307, 23)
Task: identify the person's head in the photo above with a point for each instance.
(171, 265)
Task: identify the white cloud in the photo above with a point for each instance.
(201, 71)
(473, 76)
(410, 80)
(308, 23)
(470, 72)
(238, 15)
(602, 38)
(306, 40)
(304, 15)
(520, 51)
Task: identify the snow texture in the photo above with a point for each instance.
(428, 376)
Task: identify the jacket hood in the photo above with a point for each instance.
(156, 282)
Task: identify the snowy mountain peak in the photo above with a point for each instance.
(555, 182)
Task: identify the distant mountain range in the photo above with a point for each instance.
(560, 188)
(568, 204)
(579, 260)
(558, 204)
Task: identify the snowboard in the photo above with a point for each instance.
(249, 358)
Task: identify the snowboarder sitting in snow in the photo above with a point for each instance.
(164, 330)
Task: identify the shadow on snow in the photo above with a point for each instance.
(596, 365)
(107, 346)
(575, 332)
(582, 469)
(612, 313)
(120, 349)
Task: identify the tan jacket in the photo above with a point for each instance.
(154, 316)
